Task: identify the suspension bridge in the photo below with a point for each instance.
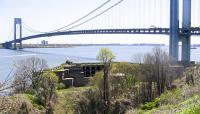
(176, 33)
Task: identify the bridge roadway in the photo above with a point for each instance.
(161, 31)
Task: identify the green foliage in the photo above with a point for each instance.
(151, 105)
(46, 92)
(90, 103)
(184, 100)
(30, 97)
(171, 97)
(130, 81)
(97, 80)
(30, 91)
(125, 68)
(61, 86)
(194, 109)
(190, 106)
(67, 99)
(51, 76)
(128, 72)
(105, 55)
(34, 101)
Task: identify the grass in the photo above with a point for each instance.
(191, 106)
(67, 100)
(12, 104)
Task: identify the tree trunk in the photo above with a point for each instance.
(106, 90)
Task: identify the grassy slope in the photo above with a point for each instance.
(12, 104)
(183, 100)
(174, 102)
(65, 104)
(67, 100)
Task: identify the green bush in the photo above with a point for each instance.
(151, 105)
(90, 103)
(46, 92)
(61, 86)
(35, 102)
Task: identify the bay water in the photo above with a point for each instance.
(79, 54)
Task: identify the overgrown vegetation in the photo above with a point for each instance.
(151, 87)
(130, 85)
(182, 100)
(32, 77)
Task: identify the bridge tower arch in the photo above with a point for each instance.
(17, 25)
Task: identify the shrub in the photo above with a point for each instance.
(151, 105)
(90, 103)
(61, 86)
(47, 88)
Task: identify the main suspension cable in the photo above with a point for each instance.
(95, 15)
(83, 16)
(30, 28)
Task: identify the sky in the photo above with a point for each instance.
(47, 15)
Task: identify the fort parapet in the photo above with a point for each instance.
(77, 74)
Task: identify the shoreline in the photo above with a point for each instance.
(74, 45)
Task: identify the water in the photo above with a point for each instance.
(56, 56)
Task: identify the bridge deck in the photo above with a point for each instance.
(161, 31)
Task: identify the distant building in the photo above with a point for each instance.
(44, 42)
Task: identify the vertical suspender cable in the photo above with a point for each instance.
(147, 9)
(160, 12)
(154, 12)
(145, 12)
(135, 17)
(197, 13)
(139, 13)
(77, 19)
(95, 15)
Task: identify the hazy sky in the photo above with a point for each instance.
(47, 15)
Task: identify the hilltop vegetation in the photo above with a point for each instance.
(185, 99)
(157, 86)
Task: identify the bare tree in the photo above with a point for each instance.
(32, 75)
(28, 73)
(155, 73)
(138, 58)
(6, 84)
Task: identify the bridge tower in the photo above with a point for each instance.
(185, 37)
(17, 24)
(174, 29)
(175, 35)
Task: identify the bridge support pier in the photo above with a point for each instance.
(185, 57)
(7, 45)
(174, 29)
(17, 21)
(186, 25)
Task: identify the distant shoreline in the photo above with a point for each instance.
(73, 45)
